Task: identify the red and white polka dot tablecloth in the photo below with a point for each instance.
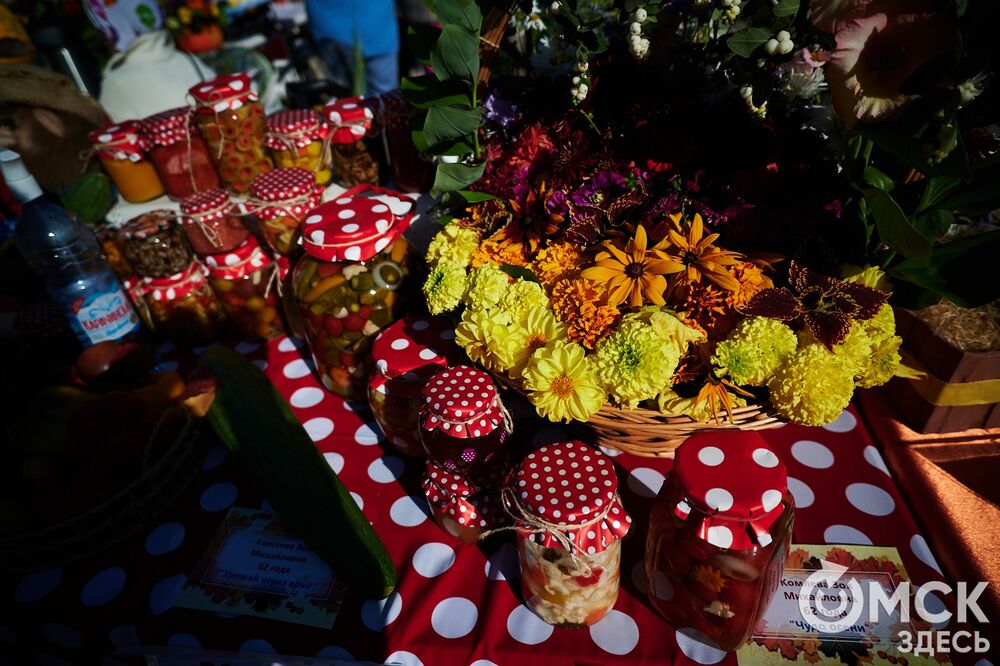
(455, 604)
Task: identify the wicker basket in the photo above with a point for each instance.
(651, 433)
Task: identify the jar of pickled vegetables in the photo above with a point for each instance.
(569, 522)
(178, 153)
(718, 537)
(120, 150)
(411, 170)
(184, 307)
(347, 283)
(350, 119)
(246, 281)
(298, 139)
(211, 222)
(466, 505)
(154, 244)
(406, 355)
(232, 121)
(463, 424)
(281, 198)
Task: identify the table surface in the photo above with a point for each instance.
(455, 604)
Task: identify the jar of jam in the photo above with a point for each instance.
(246, 281)
(184, 307)
(406, 355)
(154, 244)
(298, 139)
(347, 284)
(718, 537)
(351, 118)
(211, 222)
(411, 171)
(463, 424)
(466, 505)
(281, 198)
(232, 121)
(178, 153)
(120, 150)
(569, 523)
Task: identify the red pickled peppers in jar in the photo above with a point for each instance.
(211, 224)
(718, 537)
(466, 505)
(178, 153)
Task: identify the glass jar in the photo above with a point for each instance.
(184, 307)
(719, 534)
(246, 281)
(411, 170)
(178, 153)
(111, 246)
(232, 122)
(154, 244)
(463, 424)
(577, 585)
(136, 291)
(120, 150)
(406, 355)
(281, 199)
(347, 284)
(466, 505)
(298, 139)
(211, 222)
(350, 119)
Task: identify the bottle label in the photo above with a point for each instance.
(106, 316)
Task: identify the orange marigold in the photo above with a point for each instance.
(558, 261)
(752, 279)
(708, 307)
(500, 248)
(581, 306)
(487, 215)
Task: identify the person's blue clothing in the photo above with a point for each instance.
(372, 22)
(381, 72)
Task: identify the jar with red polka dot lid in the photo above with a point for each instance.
(183, 306)
(246, 281)
(463, 423)
(569, 522)
(298, 138)
(281, 199)
(178, 153)
(718, 537)
(120, 150)
(466, 505)
(351, 280)
(351, 119)
(211, 223)
(406, 355)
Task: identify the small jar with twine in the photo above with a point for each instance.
(351, 119)
(281, 199)
(569, 522)
(120, 149)
(211, 223)
(300, 138)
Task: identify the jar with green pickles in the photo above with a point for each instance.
(349, 283)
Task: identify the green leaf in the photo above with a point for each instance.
(878, 179)
(746, 41)
(421, 39)
(426, 91)
(955, 272)
(456, 55)
(937, 189)
(519, 272)
(934, 223)
(419, 142)
(459, 147)
(454, 177)
(447, 122)
(893, 227)
(977, 201)
(786, 8)
(464, 13)
(475, 197)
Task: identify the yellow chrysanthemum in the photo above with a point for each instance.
(520, 297)
(668, 326)
(485, 287)
(561, 384)
(882, 326)
(854, 352)
(754, 350)
(634, 363)
(813, 387)
(540, 328)
(444, 287)
(483, 336)
(453, 243)
(580, 305)
(558, 261)
(883, 362)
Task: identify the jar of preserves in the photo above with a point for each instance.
(463, 424)
(111, 247)
(281, 198)
(569, 522)
(184, 307)
(350, 119)
(466, 505)
(246, 281)
(178, 153)
(347, 284)
(120, 150)
(406, 355)
(718, 537)
(232, 121)
(154, 244)
(411, 170)
(211, 222)
(297, 138)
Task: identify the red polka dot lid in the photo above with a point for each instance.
(734, 484)
(123, 141)
(298, 127)
(228, 92)
(355, 226)
(206, 205)
(237, 264)
(415, 347)
(469, 500)
(177, 285)
(573, 488)
(294, 192)
(351, 118)
(167, 127)
(463, 402)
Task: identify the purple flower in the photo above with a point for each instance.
(500, 111)
(599, 190)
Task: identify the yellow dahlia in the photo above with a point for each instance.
(540, 328)
(484, 337)
(632, 274)
(698, 256)
(561, 384)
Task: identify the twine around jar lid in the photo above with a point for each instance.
(123, 141)
(236, 264)
(463, 402)
(206, 204)
(296, 128)
(350, 117)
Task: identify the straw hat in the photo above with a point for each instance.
(33, 86)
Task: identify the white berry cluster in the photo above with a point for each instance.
(780, 44)
(746, 92)
(732, 8)
(638, 45)
(581, 81)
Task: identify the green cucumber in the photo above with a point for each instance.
(257, 426)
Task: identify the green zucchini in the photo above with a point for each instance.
(277, 455)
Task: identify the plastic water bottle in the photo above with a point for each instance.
(67, 254)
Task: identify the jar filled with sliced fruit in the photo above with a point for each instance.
(297, 138)
(281, 198)
(718, 537)
(178, 153)
(212, 223)
(183, 306)
(231, 119)
(348, 282)
(154, 244)
(411, 170)
(466, 505)
(350, 119)
(569, 522)
(246, 281)
(120, 150)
